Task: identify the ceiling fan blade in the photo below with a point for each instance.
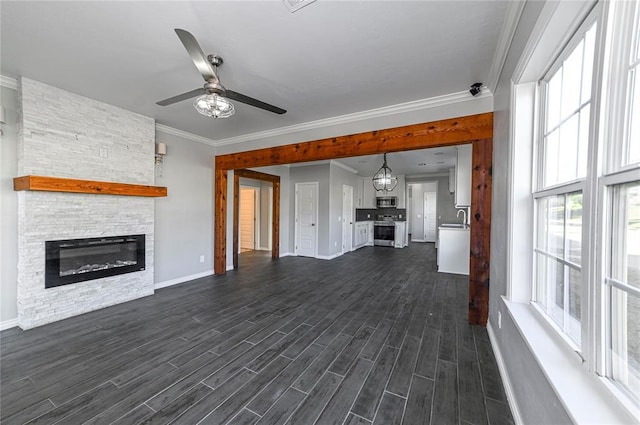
(181, 97)
(197, 55)
(252, 102)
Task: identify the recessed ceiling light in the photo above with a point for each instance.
(439, 153)
(422, 164)
(440, 162)
(362, 161)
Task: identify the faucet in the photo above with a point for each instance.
(464, 216)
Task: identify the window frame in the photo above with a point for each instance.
(586, 185)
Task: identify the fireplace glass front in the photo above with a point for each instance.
(76, 260)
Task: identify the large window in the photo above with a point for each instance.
(586, 192)
(563, 154)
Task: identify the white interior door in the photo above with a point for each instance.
(306, 219)
(430, 216)
(247, 221)
(347, 218)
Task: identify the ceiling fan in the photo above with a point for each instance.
(213, 100)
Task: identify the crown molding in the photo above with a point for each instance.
(9, 82)
(514, 12)
(180, 133)
(416, 105)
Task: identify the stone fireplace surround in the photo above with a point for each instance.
(62, 134)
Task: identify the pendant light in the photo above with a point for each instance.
(384, 180)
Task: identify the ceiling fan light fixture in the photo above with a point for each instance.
(384, 180)
(214, 106)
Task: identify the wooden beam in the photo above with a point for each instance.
(220, 237)
(447, 132)
(58, 184)
(256, 175)
(481, 169)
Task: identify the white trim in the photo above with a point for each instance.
(180, 133)
(287, 254)
(506, 382)
(9, 82)
(171, 282)
(418, 240)
(263, 248)
(565, 372)
(328, 257)
(230, 267)
(11, 323)
(514, 12)
(416, 105)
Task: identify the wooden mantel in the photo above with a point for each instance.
(59, 184)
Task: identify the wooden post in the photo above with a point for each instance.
(275, 221)
(220, 240)
(480, 231)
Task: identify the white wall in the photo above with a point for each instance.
(338, 177)
(8, 211)
(184, 219)
(308, 174)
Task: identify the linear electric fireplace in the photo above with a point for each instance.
(76, 260)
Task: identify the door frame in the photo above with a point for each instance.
(295, 216)
(344, 220)
(424, 212)
(221, 207)
(475, 129)
(256, 217)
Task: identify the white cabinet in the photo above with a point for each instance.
(452, 180)
(463, 177)
(453, 250)
(400, 239)
(363, 234)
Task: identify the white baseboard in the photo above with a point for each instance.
(8, 324)
(328, 257)
(506, 382)
(182, 279)
(287, 254)
(229, 267)
(262, 248)
(418, 240)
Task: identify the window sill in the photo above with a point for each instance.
(585, 396)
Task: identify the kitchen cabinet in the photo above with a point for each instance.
(400, 235)
(363, 235)
(463, 177)
(452, 180)
(453, 249)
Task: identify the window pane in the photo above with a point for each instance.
(568, 155)
(583, 141)
(633, 119)
(624, 353)
(625, 234)
(551, 225)
(574, 228)
(571, 81)
(551, 158)
(554, 90)
(587, 65)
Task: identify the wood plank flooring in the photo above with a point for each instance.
(376, 336)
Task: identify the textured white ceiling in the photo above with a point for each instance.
(328, 59)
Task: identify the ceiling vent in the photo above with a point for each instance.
(294, 5)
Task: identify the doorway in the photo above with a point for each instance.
(430, 215)
(249, 218)
(347, 218)
(306, 229)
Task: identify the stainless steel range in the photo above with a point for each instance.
(384, 230)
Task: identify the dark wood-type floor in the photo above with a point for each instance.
(374, 336)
